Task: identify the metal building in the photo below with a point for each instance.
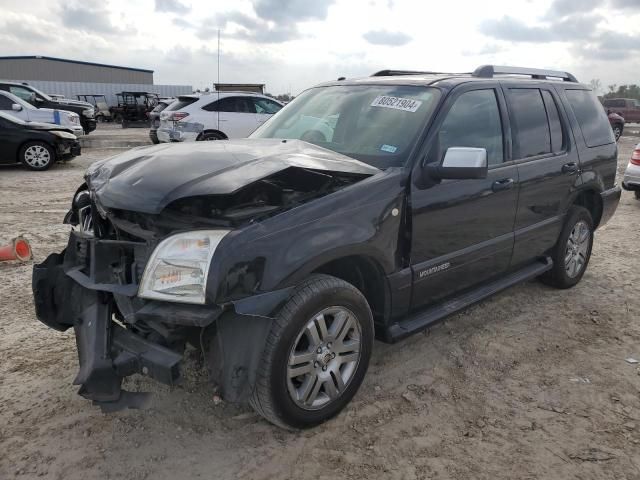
(62, 70)
(73, 77)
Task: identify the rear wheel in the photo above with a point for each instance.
(37, 155)
(617, 131)
(572, 252)
(316, 355)
(637, 194)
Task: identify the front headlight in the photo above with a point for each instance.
(61, 134)
(178, 268)
(88, 113)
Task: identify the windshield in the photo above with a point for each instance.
(42, 94)
(376, 124)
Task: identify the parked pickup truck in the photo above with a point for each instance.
(628, 108)
(405, 198)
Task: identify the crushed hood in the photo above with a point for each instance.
(147, 179)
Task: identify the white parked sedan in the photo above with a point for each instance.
(17, 107)
(215, 116)
(631, 180)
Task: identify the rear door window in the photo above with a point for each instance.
(231, 105)
(592, 119)
(555, 126)
(532, 137)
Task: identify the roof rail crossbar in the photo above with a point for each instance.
(488, 71)
(393, 73)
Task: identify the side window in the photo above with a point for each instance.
(266, 106)
(591, 118)
(211, 107)
(234, 105)
(530, 119)
(474, 121)
(22, 92)
(555, 126)
(5, 103)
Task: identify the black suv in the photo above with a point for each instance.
(41, 100)
(374, 206)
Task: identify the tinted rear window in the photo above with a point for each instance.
(530, 117)
(181, 103)
(591, 118)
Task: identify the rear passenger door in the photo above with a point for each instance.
(548, 167)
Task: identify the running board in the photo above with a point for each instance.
(431, 315)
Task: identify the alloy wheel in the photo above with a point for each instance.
(324, 358)
(37, 156)
(577, 249)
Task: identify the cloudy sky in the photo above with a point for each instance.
(293, 44)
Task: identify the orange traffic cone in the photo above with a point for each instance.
(18, 249)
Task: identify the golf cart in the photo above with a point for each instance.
(99, 101)
(133, 108)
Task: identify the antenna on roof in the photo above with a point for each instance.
(218, 101)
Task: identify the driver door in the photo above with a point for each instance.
(462, 230)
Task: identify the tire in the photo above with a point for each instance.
(210, 136)
(617, 131)
(571, 258)
(345, 313)
(636, 194)
(37, 156)
(100, 119)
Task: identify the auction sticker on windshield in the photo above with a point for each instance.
(397, 103)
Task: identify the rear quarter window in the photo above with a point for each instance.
(591, 117)
(181, 103)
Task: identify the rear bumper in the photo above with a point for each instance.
(610, 200)
(631, 179)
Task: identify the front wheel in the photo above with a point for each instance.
(37, 155)
(316, 355)
(637, 194)
(573, 250)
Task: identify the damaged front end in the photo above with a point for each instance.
(135, 284)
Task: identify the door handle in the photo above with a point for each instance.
(500, 185)
(571, 167)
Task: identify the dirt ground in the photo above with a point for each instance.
(531, 384)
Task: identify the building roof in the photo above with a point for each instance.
(65, 60)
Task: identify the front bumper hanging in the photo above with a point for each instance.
(107, 351)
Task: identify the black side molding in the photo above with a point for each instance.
(431, 315)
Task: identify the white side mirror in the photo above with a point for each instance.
(16, 108)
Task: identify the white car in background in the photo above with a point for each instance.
(17, 107)
(215, 116)
(631, 179)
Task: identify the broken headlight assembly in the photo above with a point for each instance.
(178, 268)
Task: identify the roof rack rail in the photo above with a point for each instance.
(393, 73)
(488, 71)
